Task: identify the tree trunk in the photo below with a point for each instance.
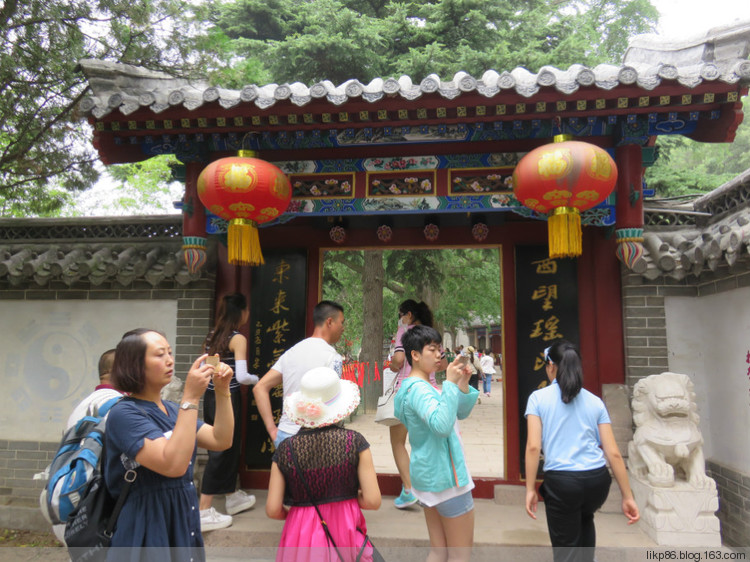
(373, 279)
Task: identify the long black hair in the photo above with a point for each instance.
(419, 310)
(569, 370)
(230, 319)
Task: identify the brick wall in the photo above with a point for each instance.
(20, 460)
(734, 503)
(646, 354)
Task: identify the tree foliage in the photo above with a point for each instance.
(341, 39)
(686, 167)
(461, 287)
(45, 148)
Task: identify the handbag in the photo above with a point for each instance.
(384, 414)
(376, 556)
(89, 527)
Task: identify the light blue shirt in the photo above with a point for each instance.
(570, 432)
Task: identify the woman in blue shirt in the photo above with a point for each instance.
(572, 427)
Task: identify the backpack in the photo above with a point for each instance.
(76, 463)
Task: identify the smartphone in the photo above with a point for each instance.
(212, 360)
(463, 359)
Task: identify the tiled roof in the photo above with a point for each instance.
(724, 238)
(719, 55)
(124, 250)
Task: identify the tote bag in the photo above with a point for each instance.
(384, 414)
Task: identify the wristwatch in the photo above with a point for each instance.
(188, 406)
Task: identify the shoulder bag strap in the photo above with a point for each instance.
(312, 500)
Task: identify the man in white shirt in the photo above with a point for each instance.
(312, 352)
(102, 394)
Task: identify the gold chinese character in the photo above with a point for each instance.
(545, 266)
(280, 272)
(278, 304)
(546, 292)
(539, 363)
(277, 391)
(550, 328)
(547, 329)
(279, 328)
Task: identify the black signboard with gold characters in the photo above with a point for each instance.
(547, 311)
(277, 322)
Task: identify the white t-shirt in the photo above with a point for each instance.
(488, 364)
(296, 361)
(90, 405)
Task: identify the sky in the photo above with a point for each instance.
(686, 18)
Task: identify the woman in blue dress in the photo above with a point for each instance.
(160, 519)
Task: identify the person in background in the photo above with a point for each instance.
(326, 465)
(487, 364)
(220, 473)
(476, 369)
(410, 314)
(439, 476)
(104, 394)
(161, 509)
(573, 428)
(315, 351)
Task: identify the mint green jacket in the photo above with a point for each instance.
(437, 456)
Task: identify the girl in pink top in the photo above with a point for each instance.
(410, 313)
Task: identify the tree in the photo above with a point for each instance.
(45, 148)
(685, 167)
(341, 39)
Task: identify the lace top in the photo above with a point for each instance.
(328, 458)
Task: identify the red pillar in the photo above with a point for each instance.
(629, 206)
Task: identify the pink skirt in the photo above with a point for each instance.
(304, 540)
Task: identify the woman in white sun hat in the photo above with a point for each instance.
(325, 473)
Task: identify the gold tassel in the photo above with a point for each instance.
(243, 243)
(564, 229)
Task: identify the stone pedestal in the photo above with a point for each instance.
(680, 515)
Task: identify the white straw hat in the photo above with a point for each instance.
(323, 399)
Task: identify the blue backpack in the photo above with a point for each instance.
(77, 461)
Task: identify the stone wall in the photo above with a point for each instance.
(646, 353)
(734, 503)
(21, 459)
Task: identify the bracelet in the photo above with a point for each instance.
(227, 395)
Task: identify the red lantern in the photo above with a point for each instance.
(245, 191)
(562, 179)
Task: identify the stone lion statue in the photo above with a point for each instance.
(667, 443)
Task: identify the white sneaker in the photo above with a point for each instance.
(212, 520)
(239, 502)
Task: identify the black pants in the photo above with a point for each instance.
(474, 381)
(570, 500)
(220, 474)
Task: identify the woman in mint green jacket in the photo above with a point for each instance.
(439, 477)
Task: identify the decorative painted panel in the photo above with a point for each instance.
(312, 186)
(480, 180)
(389, 184)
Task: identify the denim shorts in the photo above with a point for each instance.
(456, 507)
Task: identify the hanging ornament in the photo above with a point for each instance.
(480, 231)
(337, 234)
(630, 250)
(246, 191)
(561, 180)
(431, 232)
(385, 233)
(194, 252)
